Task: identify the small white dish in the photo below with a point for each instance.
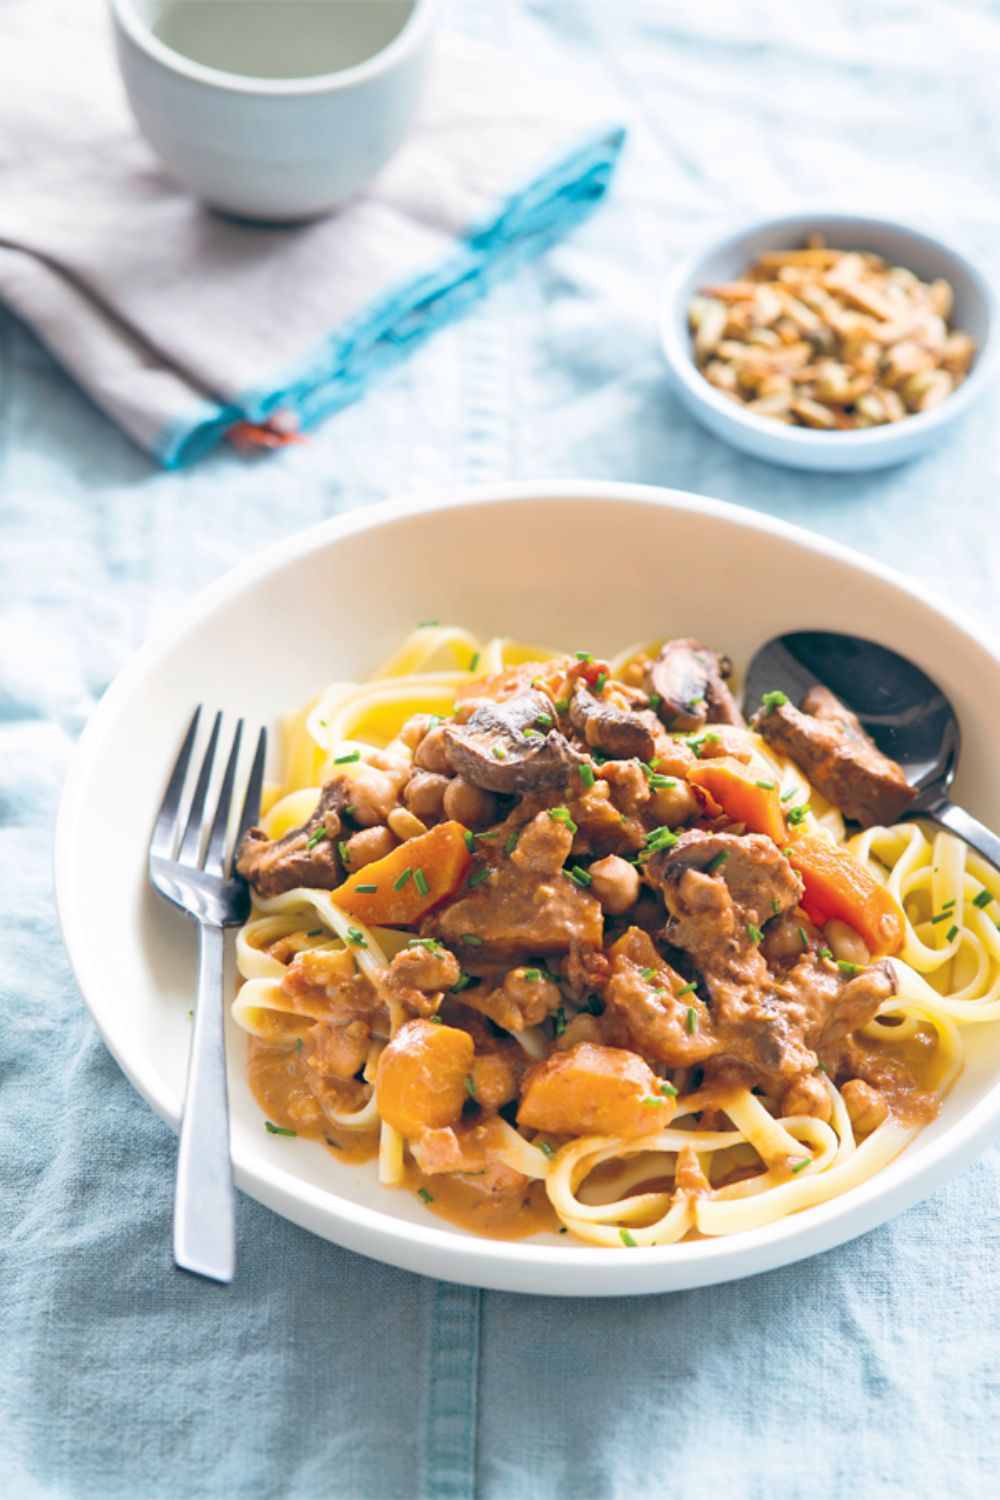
(975, 312)
(333, 602)
(329, 90)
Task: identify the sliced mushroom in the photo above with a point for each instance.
(689, 681)
(511, 746)
(617, 733)
(305, 856)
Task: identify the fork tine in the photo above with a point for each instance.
(217, 838)
(165, 828)
(191, 842)
(255, 785)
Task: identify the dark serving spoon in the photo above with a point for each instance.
(906, 714)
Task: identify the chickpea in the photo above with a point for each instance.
(414, 730)
(783, 938)
(675, 804)
(424, 794)
(845, 944)
(615, 883)
(374, 794)
(367, 846)
(808, 1096)
(865, 1105)
(582, 1028)
(432, 752)
(469, 804)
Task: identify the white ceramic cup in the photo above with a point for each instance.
(278, 145)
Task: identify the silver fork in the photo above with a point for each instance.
(195, 875)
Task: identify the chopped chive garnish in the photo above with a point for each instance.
(765, 786)
(754, 933)
(648, 973)
(579, 877)
(945, 904)
(822, 1068)
(366, 890)
(425, 624)
(463, 982)
(718, 861)
(324, 723)
(357, 938)
(278, 1129)
(350, 812)
(825, 953)
(846, 967)
(795, 815)
(586, 774)
(423, 1193)
(343, 760)
(658, 782)
(584, 655)
(595, 1005)
(983, 899)
(942, 916)
(804, 936)
(668, 1089)
(533, 734)
(692, 1018)
(474, 663)
(511, 843)
(774, 700)
(344, 852)
(787, 796)
(561, 705)
(316, 837)
(470, 1085)
(686, 989)
(655, 700)
(401, 880)
(803, 1163)
(652, 1099)
(562, 815)
(602, 678)
(626, 1238)
(470, 841)
(431, 944)
(544, 719)
(471, 939)
(660, 838)
(532, 975)
(544, 1147)
(479, 877)
(559, 1021)
(436, 1020)
(316, 932)
(499, 752)
(420, 881)
(951, 934)
(775, 905)
(491, 835)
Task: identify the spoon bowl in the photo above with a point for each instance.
(899, 706)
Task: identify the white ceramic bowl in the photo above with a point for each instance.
(571, 564)
(285, 148)
(801, 447)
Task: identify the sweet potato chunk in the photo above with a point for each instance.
(594, 1090)
(401, 888)
(420, 1084)
(743, 796)
(838, 885)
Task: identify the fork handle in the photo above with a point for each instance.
(204, 1201)
(949, 815)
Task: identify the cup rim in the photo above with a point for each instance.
(407, 39)
(681, 363)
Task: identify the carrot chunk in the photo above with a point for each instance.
(741, 795)
(594, 1090)
(837, 885)
(406, 884)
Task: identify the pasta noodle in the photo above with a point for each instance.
(725, 1160)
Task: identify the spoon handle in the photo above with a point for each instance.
(957, 820)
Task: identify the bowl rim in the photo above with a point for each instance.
(408, 38)
(499, 1264)
(677, 352)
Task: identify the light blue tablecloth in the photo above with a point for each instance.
(871, 1371)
